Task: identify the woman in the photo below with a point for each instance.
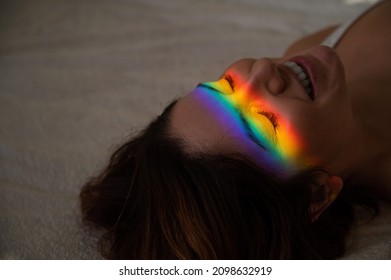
(266, 162)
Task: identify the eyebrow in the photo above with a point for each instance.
(250, 133)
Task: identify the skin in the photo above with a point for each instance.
(345, 129)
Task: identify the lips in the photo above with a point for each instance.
(302, 76)
(303, 68)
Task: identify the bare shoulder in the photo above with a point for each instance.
(372, 26)
(369, 41)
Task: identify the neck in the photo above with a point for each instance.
(368, 152)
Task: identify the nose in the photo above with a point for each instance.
(264, 76)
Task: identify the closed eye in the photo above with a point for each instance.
(230, 81)
(272, 118)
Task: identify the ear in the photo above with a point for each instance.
(324, 193)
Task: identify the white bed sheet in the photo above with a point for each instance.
(76, 77)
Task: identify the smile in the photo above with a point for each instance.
(302, 76)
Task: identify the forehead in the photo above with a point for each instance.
(204, 120)
(209, 123)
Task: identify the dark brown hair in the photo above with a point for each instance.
(155, 201)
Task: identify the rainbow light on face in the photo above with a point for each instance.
(246, 114)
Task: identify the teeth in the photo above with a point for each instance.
(303, 78)
(305, 83)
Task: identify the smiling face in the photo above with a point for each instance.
(285, 114)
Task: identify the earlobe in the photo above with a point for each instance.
(324, 193)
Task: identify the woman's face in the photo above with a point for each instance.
(286, 114)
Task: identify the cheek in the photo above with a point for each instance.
(322, 133)
(312, 134)
(302, 135)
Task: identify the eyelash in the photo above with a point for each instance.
(230, 81)
(272, 117)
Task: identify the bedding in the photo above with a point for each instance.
(77, 77)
